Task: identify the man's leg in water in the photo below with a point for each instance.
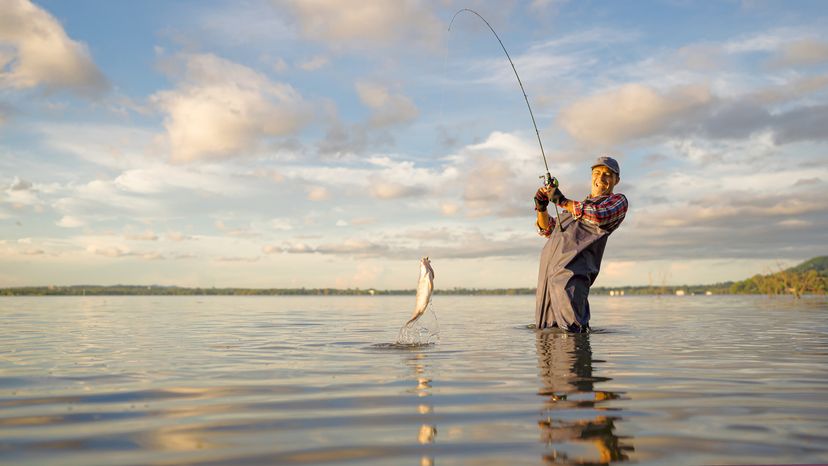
(578, 291)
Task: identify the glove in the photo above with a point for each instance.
(558, 197)
(541, 201)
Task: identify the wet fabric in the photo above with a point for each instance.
(569, 264)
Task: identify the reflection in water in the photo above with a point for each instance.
(423, 390)
(427, 434)
(565, 363)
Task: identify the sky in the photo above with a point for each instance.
(323, 143)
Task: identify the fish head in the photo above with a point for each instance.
(425, 267)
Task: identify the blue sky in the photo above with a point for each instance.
(331, 144)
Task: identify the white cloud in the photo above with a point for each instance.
(20, 185)
(216, 179)
(108, 251)
(42, 54)
(145, 236)
(240, 24)
(20, 194)
(178, 236)
(69, 221)
(222, 109)
(365, 275)
(279, 65)
(497, 176)
(763, 42)
(449, 208)
(101, 200)
(315, 63)
(237, 259)
(629, 112)
(491, 184)
(281, 224)
(789, 110)
(384, 178)
(801, 52)
(386, 190)
(703, 57)
(367, 23)
(457, 243)
(792, 90)
(318, 193)
(350, 246)
(363, 221)
(541, 6)
(550, 67)
(241, 231)
(795, 223)
(108, 145)
(389, 109)
(297, 248)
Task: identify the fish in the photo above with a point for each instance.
(425, 286)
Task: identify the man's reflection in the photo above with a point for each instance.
(574, 414)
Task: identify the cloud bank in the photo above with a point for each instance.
(222, 109)
(36, 52)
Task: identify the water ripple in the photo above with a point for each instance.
(304, 380)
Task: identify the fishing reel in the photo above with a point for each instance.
(549, 181)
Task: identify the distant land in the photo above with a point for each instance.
(809, 277)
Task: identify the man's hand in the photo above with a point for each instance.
(555, 195)
(569, 206)
(541, 200)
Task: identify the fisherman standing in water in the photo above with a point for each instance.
(571, 259)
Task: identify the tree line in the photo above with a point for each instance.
(809, 277)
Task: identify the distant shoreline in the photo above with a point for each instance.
(139, 290)
(809, 277)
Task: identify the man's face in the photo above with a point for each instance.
(603, 181)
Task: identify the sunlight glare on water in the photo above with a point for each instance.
(310, 380)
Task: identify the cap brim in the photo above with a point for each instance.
(605, 165)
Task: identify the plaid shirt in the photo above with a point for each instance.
(606, 211)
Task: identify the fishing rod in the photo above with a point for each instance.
(548, 179)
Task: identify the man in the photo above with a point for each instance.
(571, 259)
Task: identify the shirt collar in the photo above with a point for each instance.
(597, 198)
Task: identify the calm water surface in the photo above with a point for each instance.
(299, 380)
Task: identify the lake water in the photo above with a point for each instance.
(301, 380)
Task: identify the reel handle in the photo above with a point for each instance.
(549, 180)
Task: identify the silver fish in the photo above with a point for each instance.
(424, 288)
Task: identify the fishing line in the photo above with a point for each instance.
(548, 179)
(442, 105)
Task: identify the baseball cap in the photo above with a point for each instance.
(608, 162)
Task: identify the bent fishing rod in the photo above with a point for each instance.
(548, 179)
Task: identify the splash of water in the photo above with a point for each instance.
(423, 331)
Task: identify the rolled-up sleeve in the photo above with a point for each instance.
(548, 231)
(607, 212)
